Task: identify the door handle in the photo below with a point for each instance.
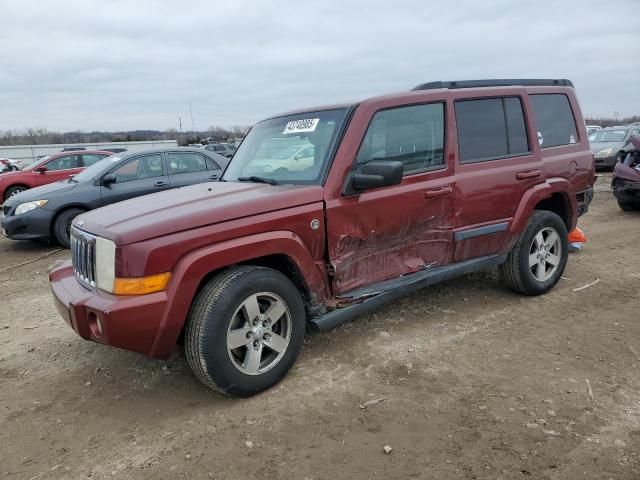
(438, 192)
(528, 174)
(160, 184)
(213, 177)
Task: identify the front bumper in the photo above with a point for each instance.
(32, 225)
(609, 161)
(583, 200)
(626, 190)
(127, 322)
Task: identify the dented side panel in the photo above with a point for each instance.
(386, 233)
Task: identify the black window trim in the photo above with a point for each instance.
(434, 168)
(573, 114)
(504, 113)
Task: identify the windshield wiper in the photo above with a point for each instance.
(256, 179)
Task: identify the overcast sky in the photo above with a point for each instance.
(120, 65)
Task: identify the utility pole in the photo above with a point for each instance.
(193, 128)
(180, 123)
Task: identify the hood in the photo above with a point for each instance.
(6, 176)
(597, 146)
(45, 192)
(164, 213)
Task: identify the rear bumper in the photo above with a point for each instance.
(32, 225)
(127, 322)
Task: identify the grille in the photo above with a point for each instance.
(83, 256)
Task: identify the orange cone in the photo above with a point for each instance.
(576, 239)
(577, 235)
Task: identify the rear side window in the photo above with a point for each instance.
(89, 159)
(185, 162)
(490, 128)
(413, 135)
(554, 119)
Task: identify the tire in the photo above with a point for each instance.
(62, 225)
(519, 274)
(223, 306)
(11, 191)
(628, 206)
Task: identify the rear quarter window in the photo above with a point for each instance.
(554, 119)
(490, 129)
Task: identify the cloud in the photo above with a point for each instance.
(96, 65)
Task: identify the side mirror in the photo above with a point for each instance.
(41, 170)
(376, 174)
(108, 179)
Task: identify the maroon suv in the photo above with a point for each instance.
(328, 213)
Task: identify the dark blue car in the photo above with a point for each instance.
(47, 212)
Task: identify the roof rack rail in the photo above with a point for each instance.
(498, 82)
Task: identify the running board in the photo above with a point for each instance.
(378, 294)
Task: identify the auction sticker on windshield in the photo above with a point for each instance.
(300, 126)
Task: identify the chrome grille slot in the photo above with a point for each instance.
(83, 256)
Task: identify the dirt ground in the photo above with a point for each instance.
(474, 382)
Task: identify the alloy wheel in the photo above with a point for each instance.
(545, 254)
(259, 333)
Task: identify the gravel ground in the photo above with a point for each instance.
(465, 380)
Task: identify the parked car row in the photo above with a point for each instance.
(42, 200)
(610, 145)
(626, 178)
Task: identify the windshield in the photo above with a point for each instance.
(607, 136)
(33, 165)
(96, 169)
(270, 148)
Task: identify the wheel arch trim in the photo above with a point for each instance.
(196, 266)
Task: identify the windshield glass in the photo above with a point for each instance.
(607, 136)
(33, 165)
(292, 149)
(96, 169)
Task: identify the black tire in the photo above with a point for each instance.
(516, 273)
(629, 206)
(11, 191)
(62, 225)
(214, 309)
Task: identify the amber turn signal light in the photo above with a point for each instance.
(141, 285)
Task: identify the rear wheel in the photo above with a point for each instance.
(10, 192)
(62, 226)
(245, 330)
(538, 259)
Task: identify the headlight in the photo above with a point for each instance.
(606, 151)
(106, 279)
(105, 264)
(25, 207)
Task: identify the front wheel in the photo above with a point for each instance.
(245, 330)
(537, 261)
(14, 191)
(62, 226)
